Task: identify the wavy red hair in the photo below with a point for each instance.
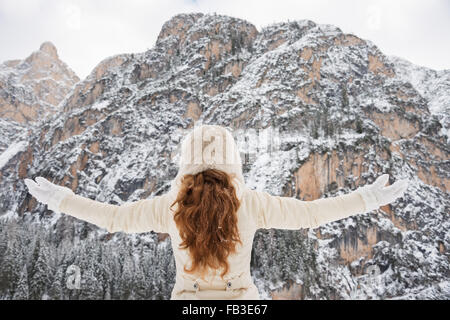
(206, 219)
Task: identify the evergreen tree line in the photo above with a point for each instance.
(37, 263)
(34, 265)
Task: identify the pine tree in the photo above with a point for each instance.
(56, 291)
(41, 278)
(91, 288)
(95, 258)
(3, 240)
(339, 130)
(315, 131)
(359, 128)
(35, 255)
(139, 283)
(10, 268)
(233, 45)
(110, 270)
(21, 292)
(126, 280)
(281, 256)
(345, 102)
(149, 271)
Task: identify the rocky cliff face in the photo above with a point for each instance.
(343, 111)
(31, 89)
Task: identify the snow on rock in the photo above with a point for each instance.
(434, 85)
(12, 150)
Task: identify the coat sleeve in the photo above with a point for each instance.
(133, 217)
(291, 213)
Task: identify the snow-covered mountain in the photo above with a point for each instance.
(30, 90)
(431, 84)
(343, 111)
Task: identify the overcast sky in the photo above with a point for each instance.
(87, 31)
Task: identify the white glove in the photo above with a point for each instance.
(376, 194)
(48, 193)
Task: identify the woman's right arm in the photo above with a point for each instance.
(291, 213)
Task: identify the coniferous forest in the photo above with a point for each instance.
(38, 263)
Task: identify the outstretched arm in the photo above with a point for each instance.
(291, 213)
(132, 217)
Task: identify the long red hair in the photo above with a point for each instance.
(206, 219)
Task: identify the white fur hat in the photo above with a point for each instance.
(209, 147)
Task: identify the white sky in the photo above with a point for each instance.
(87, 31)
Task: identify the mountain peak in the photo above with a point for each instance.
(32, 88)
(49, 48)
(178, 24)
(192, 26)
